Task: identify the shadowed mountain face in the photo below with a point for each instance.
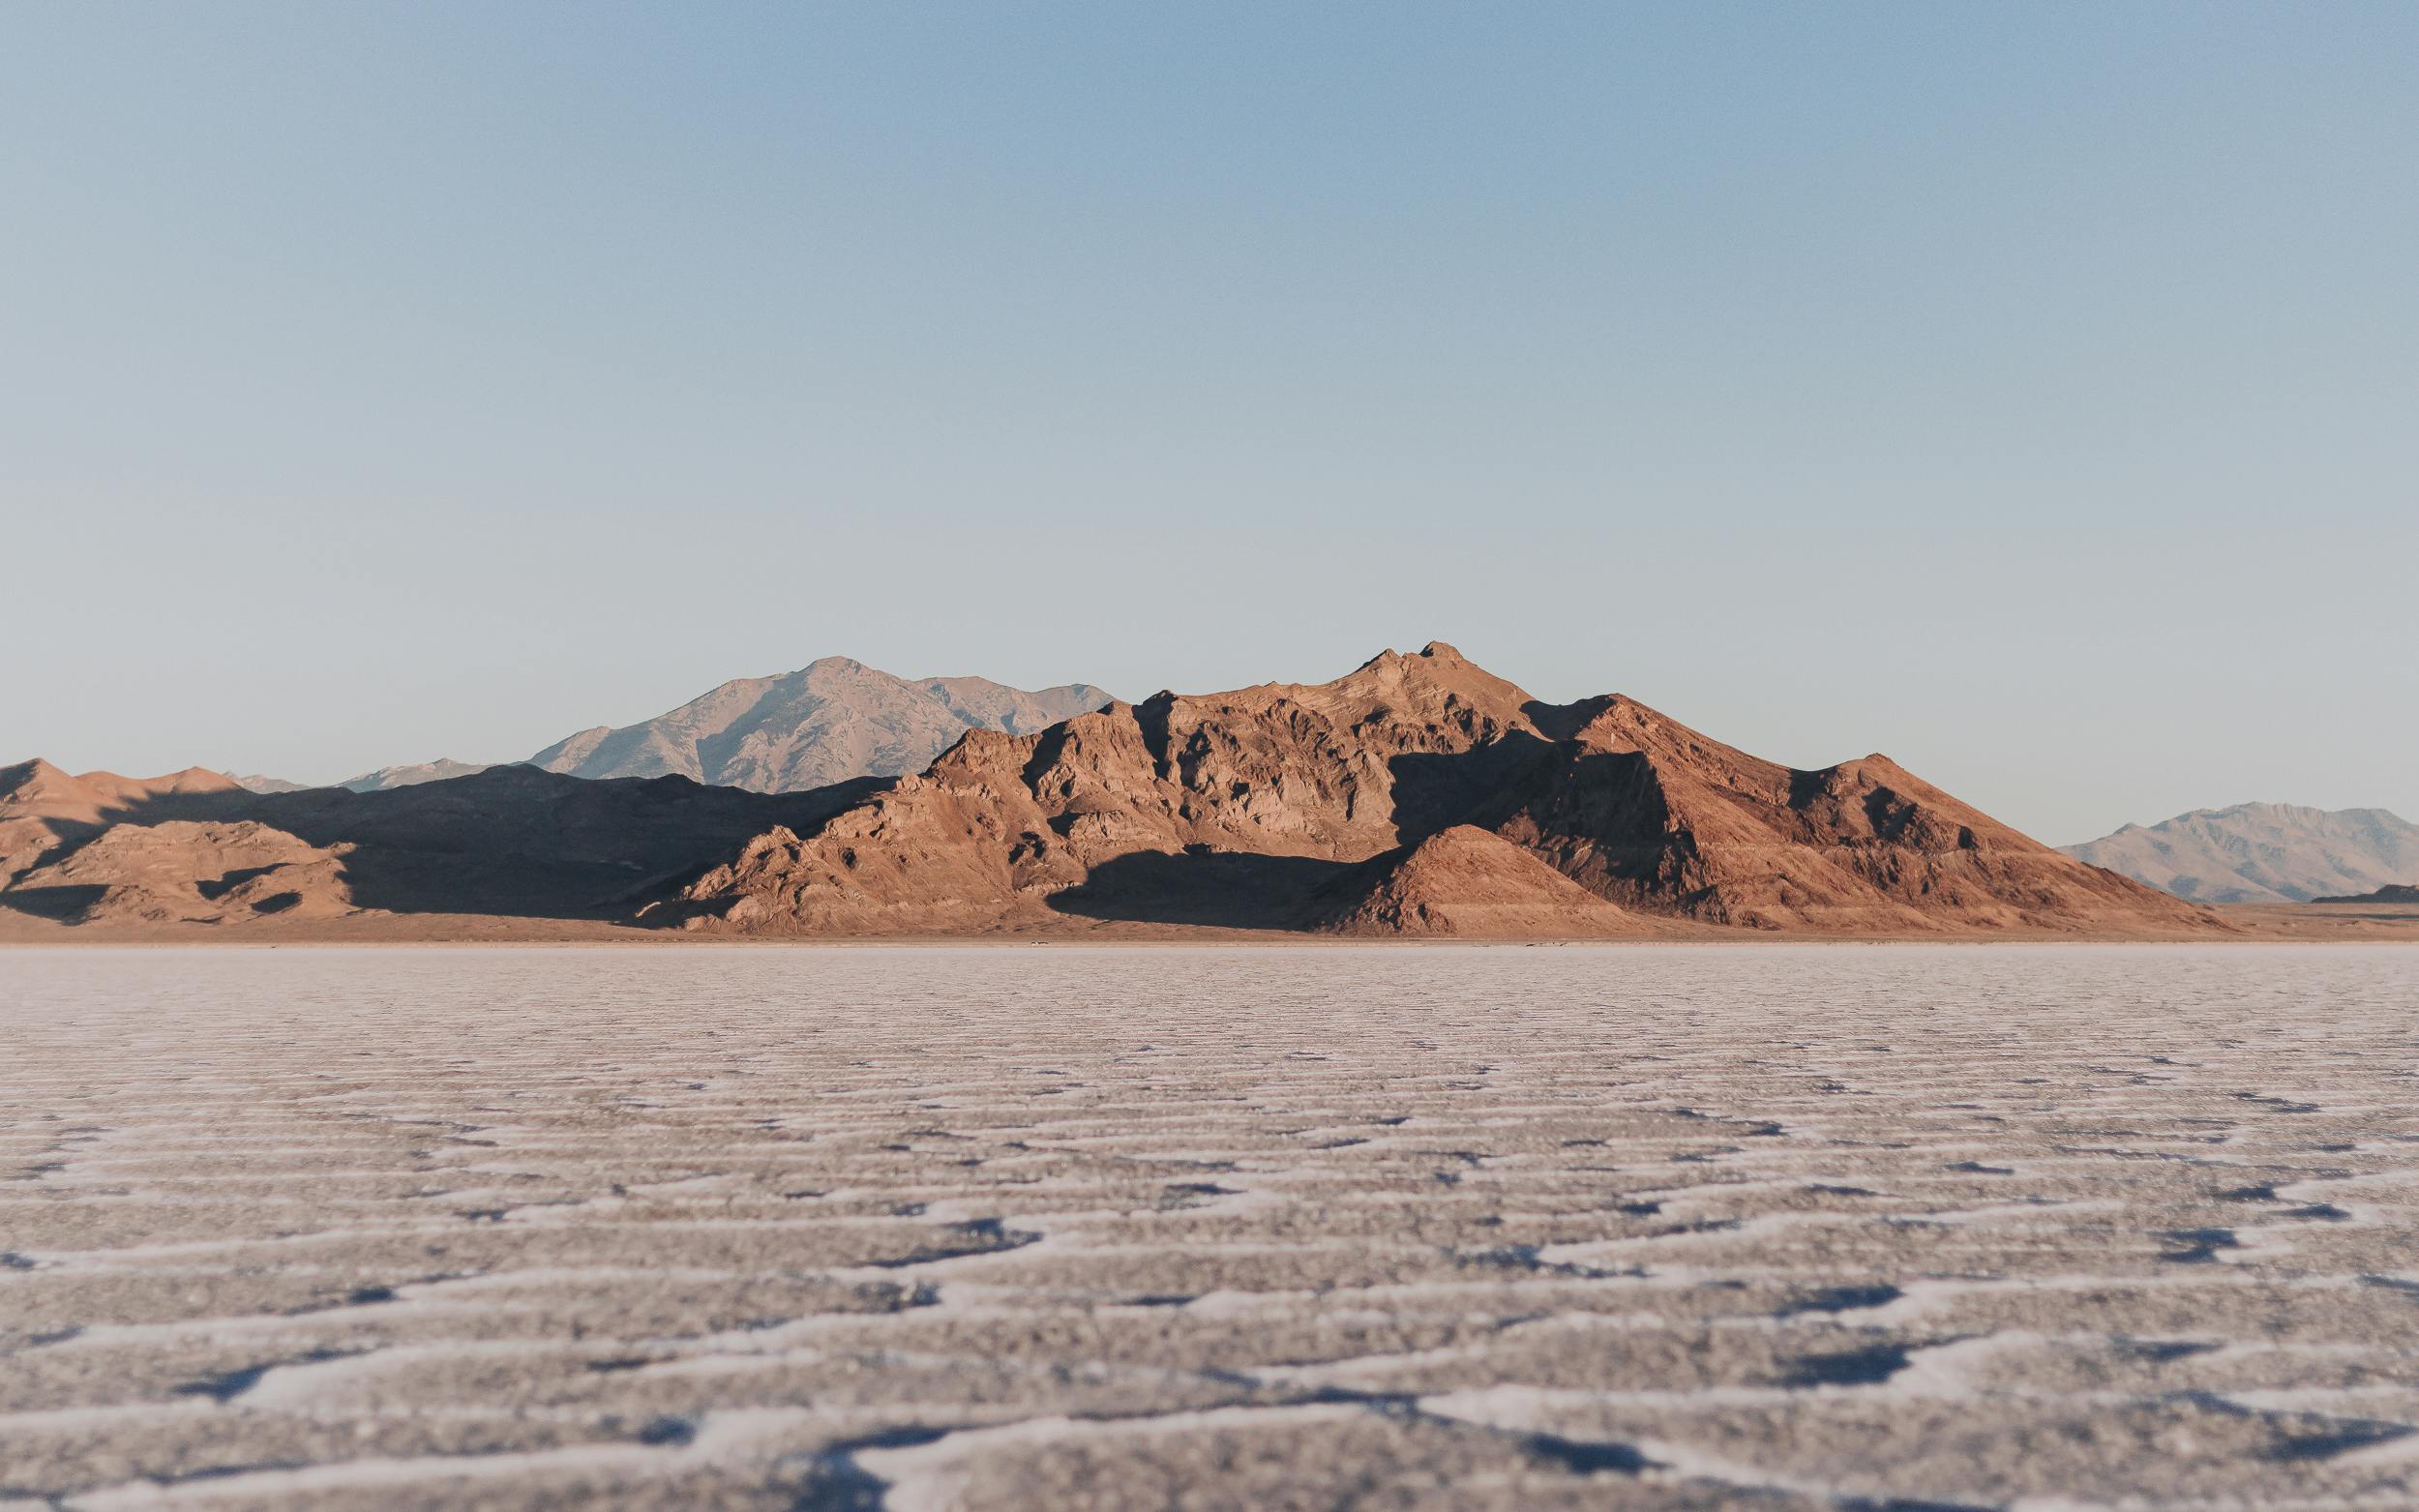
(508, 841)
(2263, 852)
(823, 724)
(513, 840)
(1418, 794)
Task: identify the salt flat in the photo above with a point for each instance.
(1866, 1226)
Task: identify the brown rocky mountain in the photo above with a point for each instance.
(826, 722)
(1329, 806)
(1416, 796)
(2262, 852)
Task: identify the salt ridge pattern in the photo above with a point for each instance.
(1832, 1227)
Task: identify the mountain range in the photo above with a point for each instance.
(1417, 795)
(2263, 852)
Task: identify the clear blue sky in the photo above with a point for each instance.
(2030, 391)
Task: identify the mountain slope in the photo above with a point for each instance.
(1251, 808)
(1650, 814)
(516, 841)
(44, 812)
(2263, 852)
(189, 872)
(826, 722)
(508, 841)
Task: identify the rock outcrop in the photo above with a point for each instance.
(1472, 883)
(1264, 807)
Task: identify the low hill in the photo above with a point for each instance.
(2395, 893)
(45, 812)
(189, 872)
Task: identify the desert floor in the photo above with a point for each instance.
(1856, 1228)
(2257, 924)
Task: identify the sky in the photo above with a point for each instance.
(2030, 392)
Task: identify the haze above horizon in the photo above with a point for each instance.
(2025, 392)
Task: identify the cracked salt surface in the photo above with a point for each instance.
(1848, 1228)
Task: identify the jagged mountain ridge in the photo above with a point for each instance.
(829, 720)
(2263, 852)
(1268, 806)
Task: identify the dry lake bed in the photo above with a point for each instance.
(1860, 1228)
